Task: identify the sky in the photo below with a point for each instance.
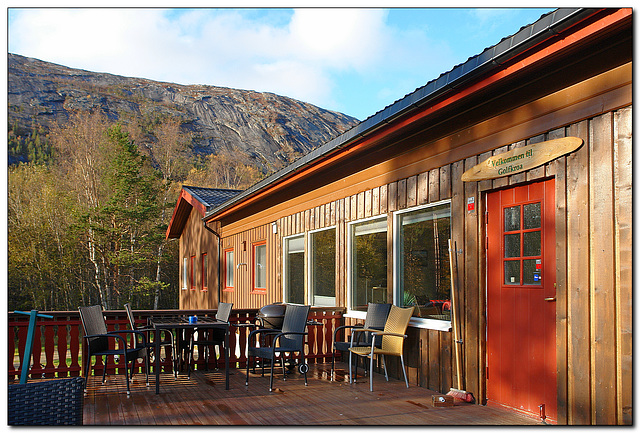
(352, 60)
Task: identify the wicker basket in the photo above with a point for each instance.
(49, 402)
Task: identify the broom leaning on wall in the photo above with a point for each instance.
(456, 392)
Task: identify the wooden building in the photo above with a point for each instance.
(199, 257)
(522, 156)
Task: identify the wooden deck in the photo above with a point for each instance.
(202, 400)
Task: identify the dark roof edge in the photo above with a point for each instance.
(490, 58)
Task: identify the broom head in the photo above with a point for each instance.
(461, 395)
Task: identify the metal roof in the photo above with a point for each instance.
(490, 58)
(211, 197)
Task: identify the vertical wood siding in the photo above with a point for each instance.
(593, 269)
(195, 241)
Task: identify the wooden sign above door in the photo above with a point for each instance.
(521, 159)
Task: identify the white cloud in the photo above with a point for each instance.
(300, 53)
(339, 38)
(207, 46)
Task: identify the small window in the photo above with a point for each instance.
(205, 272)
(228, 270)
(185, 273)
(192, 274)
(260, 266)
(294, 269)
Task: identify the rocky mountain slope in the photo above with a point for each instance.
(271, 130)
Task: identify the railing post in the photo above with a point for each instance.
(29, 345)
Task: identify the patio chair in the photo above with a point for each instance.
(49, 402)
(375, 319)
(393, 338)
(209, 338)
(151, 346)
(290, 339)
(97, 337)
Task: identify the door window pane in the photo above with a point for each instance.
(322, 267)
(532, 271)
(512, 219)
(532, 216)
(423, 261)
(512, 245)
(512, 272)
(532, 244)
(368, 262)
(294, 269)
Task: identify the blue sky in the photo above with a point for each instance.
(352, 60)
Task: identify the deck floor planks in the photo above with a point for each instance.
(202, 400)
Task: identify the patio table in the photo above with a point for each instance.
(171, 323)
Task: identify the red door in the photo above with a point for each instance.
(521, 309)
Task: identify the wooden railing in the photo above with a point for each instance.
(59, 353)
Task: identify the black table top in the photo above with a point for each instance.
(183, 322)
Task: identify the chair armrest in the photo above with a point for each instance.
(282, 334)
(261, 331)
(366, 330)
(129, 331)
(393, 334)
(112, 335)
(359, 332)
(339, 328)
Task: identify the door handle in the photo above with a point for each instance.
(550, 299)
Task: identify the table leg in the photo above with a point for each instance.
(226, 357)
(157, 359)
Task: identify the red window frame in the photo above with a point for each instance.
(192, 273)
(227, 288)
(204, 270)
(254, 264)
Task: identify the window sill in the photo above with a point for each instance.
(415, 322)
(436, 325)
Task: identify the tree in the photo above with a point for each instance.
(225, 170)
(171, 155)
(43, 264)
(115, 194)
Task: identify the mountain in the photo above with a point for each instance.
(271, 130)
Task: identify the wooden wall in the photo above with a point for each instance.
(593, 269)
(194, 241)
(594, 243)
(242, 294)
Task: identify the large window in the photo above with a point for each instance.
(294, 269)
(422, 260)
(322, 267)
(368, 270)
(228, 270)
(260, 267)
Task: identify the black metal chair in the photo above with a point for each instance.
(209, 338)
(375, 319)
(290, 340)
(97, 337)
(49, 402)
(150, 345)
